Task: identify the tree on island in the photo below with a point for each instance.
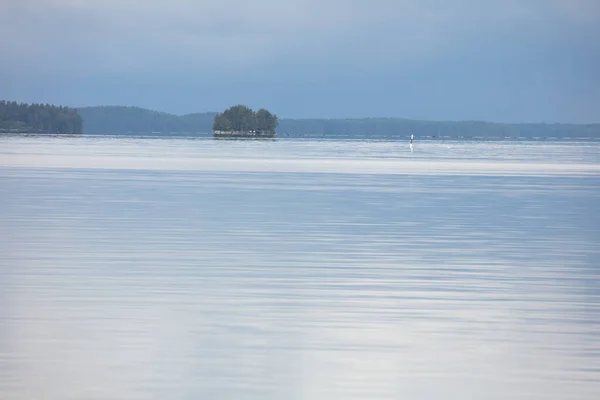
(241, 118)
(266, 121)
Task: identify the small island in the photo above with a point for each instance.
(242, 122)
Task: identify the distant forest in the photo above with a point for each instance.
(128, 120)
(134, 120)
(38, 118)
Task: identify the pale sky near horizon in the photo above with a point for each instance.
(496, 60)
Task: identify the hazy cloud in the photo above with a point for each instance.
(119, 51)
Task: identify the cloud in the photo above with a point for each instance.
(132, 33)
(463, 45)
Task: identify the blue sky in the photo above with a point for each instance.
(508, 61)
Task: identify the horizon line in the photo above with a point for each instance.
(352, 118)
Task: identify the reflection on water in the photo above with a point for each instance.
(188, 284)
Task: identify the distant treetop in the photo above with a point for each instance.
(243, 119)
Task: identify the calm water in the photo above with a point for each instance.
(291, 269)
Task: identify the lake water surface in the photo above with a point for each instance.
(299, 269)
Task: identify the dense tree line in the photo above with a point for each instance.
(39, 118)
(132, 120)
(241, 118)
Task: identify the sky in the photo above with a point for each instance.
(493, 60)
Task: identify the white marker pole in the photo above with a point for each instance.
(411, 140)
